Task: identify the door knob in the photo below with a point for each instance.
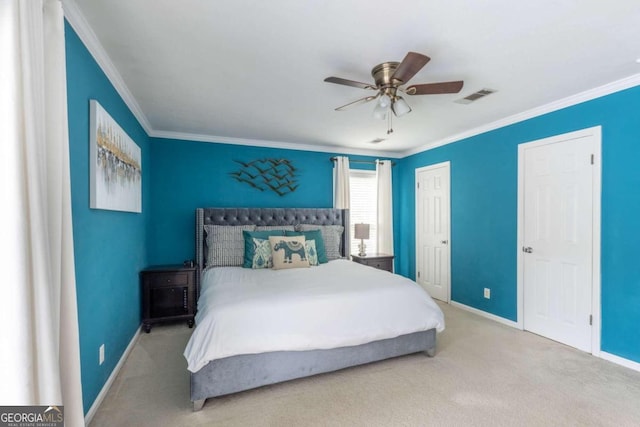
(527, 249)
(444, 242)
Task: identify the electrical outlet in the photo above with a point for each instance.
(101, 355)
(487, 293)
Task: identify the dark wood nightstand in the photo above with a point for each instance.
(168, 293)
(379, 261)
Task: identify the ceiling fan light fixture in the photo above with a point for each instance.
(388, 77)
(400, 107)
(384, 101)
(380, 112)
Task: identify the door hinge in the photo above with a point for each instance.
(418, 274)
(591, 319)
(592, 159)
(418, 185)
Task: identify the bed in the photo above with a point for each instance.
(247, 332)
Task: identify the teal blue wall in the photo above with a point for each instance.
(178, 176)
(484, 212)
(187, 175)
(110, 247)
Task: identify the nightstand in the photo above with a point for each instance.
(168, 293)
(379, 261)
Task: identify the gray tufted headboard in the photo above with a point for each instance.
(265, 216)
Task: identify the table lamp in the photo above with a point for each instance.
(362, 232)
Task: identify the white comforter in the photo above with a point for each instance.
(342, 303)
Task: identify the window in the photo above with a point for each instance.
(363, 190)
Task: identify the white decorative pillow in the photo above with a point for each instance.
(312, 254)
(262, 257)
(288, 252)
(332, 236)
(225, 244)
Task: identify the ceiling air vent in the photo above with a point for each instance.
(475, 96)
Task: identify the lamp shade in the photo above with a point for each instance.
(379, 112)
(400, 107)
(384, 101)
(361, 231)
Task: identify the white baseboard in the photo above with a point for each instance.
(620, 361)
(601, 354)
(105, 389)
(485, 314)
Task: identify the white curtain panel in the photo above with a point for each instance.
(39, 354)
(341, 183)
(385, 207)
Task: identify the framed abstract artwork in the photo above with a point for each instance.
(115, 165)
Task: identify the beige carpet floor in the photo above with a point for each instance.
(483, 374)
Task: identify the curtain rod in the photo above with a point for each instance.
(370, 162)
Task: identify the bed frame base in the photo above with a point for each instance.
(244, 372)
(198, 404)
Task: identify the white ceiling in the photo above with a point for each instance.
(252, 71)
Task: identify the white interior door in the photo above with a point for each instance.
(432, 230)
(557, 240)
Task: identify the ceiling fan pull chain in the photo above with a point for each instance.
(389, 124)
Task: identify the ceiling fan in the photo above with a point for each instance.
(389, 77)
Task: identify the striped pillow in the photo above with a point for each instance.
(225, 244)
(275, 227)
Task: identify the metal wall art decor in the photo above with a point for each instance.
(277, 175)
(115, 166)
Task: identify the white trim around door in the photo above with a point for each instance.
(596, 134)
(437, 281)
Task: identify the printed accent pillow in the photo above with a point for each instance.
(250, 247)
(262, 257)
(319, 242)
(225, 245)
(288, 252)
(312, 254)
(332, 236)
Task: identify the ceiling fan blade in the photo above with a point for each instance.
(410, 65)
(358, 102)
(435, 88)
(340, 81)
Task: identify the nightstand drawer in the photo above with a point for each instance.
(168, 279)
(379, 261)
(380, 264)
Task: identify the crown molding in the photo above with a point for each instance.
(78, 22)
(588, 95)
(274, 144)
(80, 25)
